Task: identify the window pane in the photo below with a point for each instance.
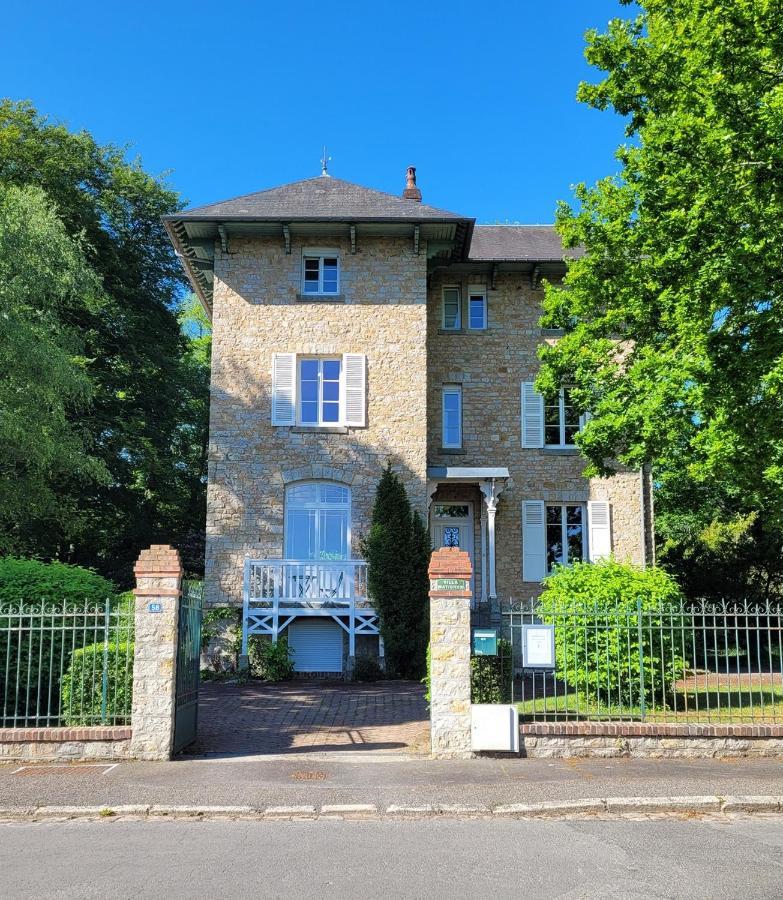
(451, 401)
(311, 265)
(332, 390)
(309, 369)
(310, 391)
(477, 304)
(450, 511)
(330, 286)
(333, 493)
(301, 494)
(574, 515)
(554, 545)
(554, 515)
(552, 435)
(570, 434)
(331, 369)
(331, 412)
(334, 534)
(451, 537)
(300, 534)
(330, 265)
(451, 308)
(309, 412)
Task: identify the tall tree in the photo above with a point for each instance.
(140, 365)
(673, 317)
(45, 384)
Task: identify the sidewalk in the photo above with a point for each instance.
(350, 779)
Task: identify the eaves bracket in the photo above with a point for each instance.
(287, 239)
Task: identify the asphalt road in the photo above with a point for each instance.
(741, 857)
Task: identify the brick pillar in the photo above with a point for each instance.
(158, 587)
(450, 572)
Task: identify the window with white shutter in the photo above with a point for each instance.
(599, 526)
(532, 416)
(354, 389)
(284, 389)
(533, 540)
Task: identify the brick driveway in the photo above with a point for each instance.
(310, 716)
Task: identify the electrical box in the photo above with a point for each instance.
(494, 727)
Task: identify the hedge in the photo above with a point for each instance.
(82, 686)
(33, 582)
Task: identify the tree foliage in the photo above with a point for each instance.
(673, 315)
(132, 402)
(397, 549)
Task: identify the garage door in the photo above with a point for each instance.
(317, 645)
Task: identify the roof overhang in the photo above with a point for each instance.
(466, 474)
(194, 238)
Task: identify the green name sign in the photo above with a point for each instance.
(449, 584)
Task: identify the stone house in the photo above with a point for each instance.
(352, 327)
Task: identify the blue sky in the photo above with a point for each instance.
(235, 97)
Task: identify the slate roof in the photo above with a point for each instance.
(320, 198)
(514, 243)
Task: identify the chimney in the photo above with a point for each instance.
(411, 192)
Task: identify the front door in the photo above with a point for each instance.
(452, 526)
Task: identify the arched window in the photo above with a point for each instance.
(317, 521)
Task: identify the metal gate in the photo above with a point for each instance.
(188, 665)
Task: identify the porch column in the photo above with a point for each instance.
(491, 492)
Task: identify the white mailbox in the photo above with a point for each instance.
(494, 726)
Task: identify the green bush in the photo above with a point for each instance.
(268, 661)
(427, 680)
(490, 676)
(367, 668)
(600, 650)
(222, 624)
(82, 686)
(34, 582)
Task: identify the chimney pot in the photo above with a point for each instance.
(411, 192)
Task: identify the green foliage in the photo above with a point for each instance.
(55, 583)
(126, 381)
(491, 676)
(225, 623)
(367, 668)
(268, 661)
(674, 317)
(45, 384)
(601, 652)
(427, 679)
(397, 550)
(83, 685)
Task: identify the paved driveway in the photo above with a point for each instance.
(303, 716)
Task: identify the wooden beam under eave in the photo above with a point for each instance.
(287, 239)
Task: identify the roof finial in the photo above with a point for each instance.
(325, 160)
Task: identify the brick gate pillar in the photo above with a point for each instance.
(158, 588)
(450, 572)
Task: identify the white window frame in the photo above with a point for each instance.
(564, 531)
(561, 423)
(478, 291)
(320, 253)
(318, 505)
(447, 389)
(340, 406)
(457, 326)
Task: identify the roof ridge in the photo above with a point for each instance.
(515, 225)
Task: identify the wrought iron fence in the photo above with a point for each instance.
(706, 662)
(66, 664)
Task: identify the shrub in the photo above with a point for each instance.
(490, 676)
(367, 668)
(427, 680)
(397, 550)
(268, 661)
(221, 627)
(600, 650)
(82, 685)
(36, 582)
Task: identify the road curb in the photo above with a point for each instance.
(606, 807)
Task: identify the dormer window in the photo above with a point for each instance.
(320, 273)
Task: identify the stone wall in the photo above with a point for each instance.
(655, 741)
(491, 366)
(256, 314)
(65, 744)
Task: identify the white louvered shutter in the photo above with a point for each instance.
(599, 524)
(532, 416)
(533, 540)
(284, 389)
(354, 389)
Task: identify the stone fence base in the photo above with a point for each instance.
(45, 744)
(646, 739)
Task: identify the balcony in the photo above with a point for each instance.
(298, 584)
